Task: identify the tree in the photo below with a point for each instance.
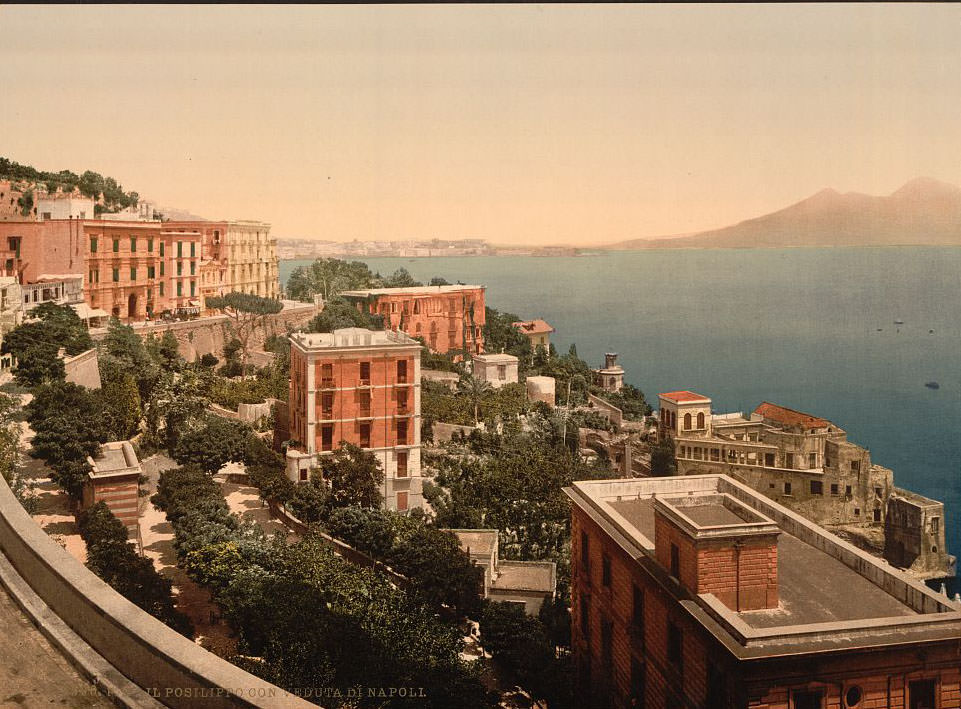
(401, 278)
(35, 344)
(338, 313)
(10, 452)
(121, 406)
(213, 445)
(438, 281)
(133, 576)
(500, 335)
(354, 476)
(246, 311)
(328, 277)
(663, 461)
(474, 390)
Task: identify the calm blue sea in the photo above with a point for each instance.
(812, 329)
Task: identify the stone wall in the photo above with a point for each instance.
(443, 432)
(144, 650)
(914, 535)
(208, 335)
(83, 369)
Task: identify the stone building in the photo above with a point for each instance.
(114, 478)
(537, 331)
(526, 583)
(914, 535)
(60, 290)
(495, 369)
(610, 377)
(804, 462)
(697, 591)
(362, 387)
(448, 318)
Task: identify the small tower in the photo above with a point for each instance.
(611, 376)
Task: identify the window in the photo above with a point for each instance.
(586, 617)
(812, 460)
(787, 488)
(116, 275)
(921, 694)
(327, 375)
(817, 487)
(180, 288)
(150, 245)
(834, 489)
(151, 271)
(365, 435)
(133, 273)
(93, 245)
(637, 614)
(855, 466)
(180, 249)
(161, 286)
(402, 464)
(402, 401)
(935, 524)
(877, 492)
(161, 248)
(133, 244)
(193, 249)
(674, 647)
(401, 433)
(847, 490)
(585, 552)
(193, 288)
(363, 401)
(161, 268)
(789, 460)
(402, 503)
(327, 404)
(769, 460)
(877, 514)
(606, 570)
(687, 422)
(116, 246)
(365, 372)
(327, 437)
(675, 561)
(501, 372)
(150, 294)
(303, 475)
(700, 419)
(807, 699)
(857, 511)
(193, 268)
(180, 268)
(607, 645)
(853, 696)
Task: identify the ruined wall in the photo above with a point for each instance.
(914, 535)
(83, 369)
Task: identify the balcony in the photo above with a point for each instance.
(327, 383)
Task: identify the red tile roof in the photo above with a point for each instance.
(790, 417)
(679, 396)
(533, 327)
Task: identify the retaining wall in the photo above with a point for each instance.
(142, 648)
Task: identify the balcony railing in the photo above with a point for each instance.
(327, 382)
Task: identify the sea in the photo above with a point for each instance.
(853, 335)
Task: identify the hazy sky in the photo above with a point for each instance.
(517, 124)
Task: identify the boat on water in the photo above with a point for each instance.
(899, 322)
(932, 385)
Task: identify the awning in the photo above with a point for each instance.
(85, 312)
(195, 303)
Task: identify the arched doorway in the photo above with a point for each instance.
(132, 305)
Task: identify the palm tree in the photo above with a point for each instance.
(475, 390)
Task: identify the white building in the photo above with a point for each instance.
(495, 369)
(65, 208)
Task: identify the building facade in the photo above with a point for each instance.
(447, 318)
(699, 592)
(362, 387)
(495, 369)
(805, 463)
(537, 331)
(610, 377)
(114, 479)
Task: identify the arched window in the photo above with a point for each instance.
(700, 419)
(687, 422)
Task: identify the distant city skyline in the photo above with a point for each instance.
(533, 124)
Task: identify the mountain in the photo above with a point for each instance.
(924, 211)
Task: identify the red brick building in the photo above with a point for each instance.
(448, 318)
(362, 387)
(114, 479)
(697, 591)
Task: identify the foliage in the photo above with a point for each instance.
(630, 400)
(338, 313)
(521, 643)
(121, 407)
(663, 460)
(211, 446)
(438, 403)
(35, 343)
(439, 281)
(309, 617)
(68, 425)
(246, 311)
(176, 405)
(475, 391)
(328, 277)
(91, 184)
(209, 360)
(10, 452)
(354, 476)
(133, 576)
(500, 335)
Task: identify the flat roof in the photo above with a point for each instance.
(477, 541)
(351, 337)
(413, 290)
(830, 592)
(683, 396)
(496, 357)
(538, 576)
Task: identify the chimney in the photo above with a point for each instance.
(714, 544)
(610, 360)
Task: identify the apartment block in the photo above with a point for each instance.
(698, 591)
(362, 387)
(447, 318)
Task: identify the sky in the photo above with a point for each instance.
(526, 124)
